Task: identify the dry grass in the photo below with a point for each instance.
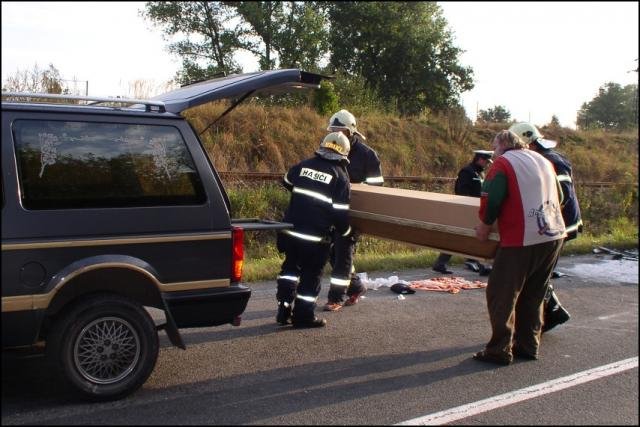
(270, 139)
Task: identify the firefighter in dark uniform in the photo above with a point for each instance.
(554, 313)
(468, 183)
(363, 167)
(319, 204)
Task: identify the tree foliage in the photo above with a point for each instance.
(615, 107)
(210, 38)
(294, 31)
(404, 50)
(497, 114)
(36, 80)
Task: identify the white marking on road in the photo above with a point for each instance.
(624, 313)
(468, 410)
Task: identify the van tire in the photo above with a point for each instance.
(105, 347)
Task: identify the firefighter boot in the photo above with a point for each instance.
(304, 317)
(355, 290)
(554, 313)
(284, 313)
(316, 322)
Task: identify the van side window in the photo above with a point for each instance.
(70, 164)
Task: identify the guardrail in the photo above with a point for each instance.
(271, 176)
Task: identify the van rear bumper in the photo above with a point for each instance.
(208, 307)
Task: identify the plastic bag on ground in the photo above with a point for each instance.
(379, 282)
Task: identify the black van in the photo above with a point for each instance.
(111, 207)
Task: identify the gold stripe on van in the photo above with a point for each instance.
(42, 301)
(132, 240)
(21, 303)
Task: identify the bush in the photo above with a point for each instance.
(325, 100)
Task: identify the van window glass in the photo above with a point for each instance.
(70, 164)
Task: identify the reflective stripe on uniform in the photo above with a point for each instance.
(346, 233)
(313, 194)
(340, 282)
(287, 180)
(573, 227)
(374, 180)
(340, 206)
(303, 236)
(563, 177)
(290, 278)
(309, 299)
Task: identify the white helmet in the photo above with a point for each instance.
(527, 132)
(530, 134)
(342, 120)
(334, 146)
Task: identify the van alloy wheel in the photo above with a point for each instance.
(105, 347)
(106, 350)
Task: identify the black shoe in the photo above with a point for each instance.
(483, 356)
(316, 322)
(521, 354)
(284, 313)
(555, 318)
(441, 269)
(473, 266)
(485, 271)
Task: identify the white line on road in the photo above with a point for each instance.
(611, 316)
(499, 401)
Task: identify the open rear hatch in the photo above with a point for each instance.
(239, 87)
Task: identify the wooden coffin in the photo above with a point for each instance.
(439, 221)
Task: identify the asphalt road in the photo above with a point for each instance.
(382, 361)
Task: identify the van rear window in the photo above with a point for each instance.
(70, 164)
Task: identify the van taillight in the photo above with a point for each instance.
(237, 243)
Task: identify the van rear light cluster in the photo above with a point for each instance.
(237, 258)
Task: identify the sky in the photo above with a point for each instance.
(536, 59)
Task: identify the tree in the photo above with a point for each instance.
(36, 80)
(615, 107)
(295, 31)
(555, 122)
(497, 114)
(403, 50)
(210, 38)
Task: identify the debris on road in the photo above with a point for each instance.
(624, 254)
(453, 284)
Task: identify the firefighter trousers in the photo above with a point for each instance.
(300, 276)
(343, 276)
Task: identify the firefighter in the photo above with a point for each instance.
(554, 313)
(319, 204)
(363, 167)
(468, 183)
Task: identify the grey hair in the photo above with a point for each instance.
(508, 140)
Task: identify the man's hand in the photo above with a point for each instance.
(482, 231)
